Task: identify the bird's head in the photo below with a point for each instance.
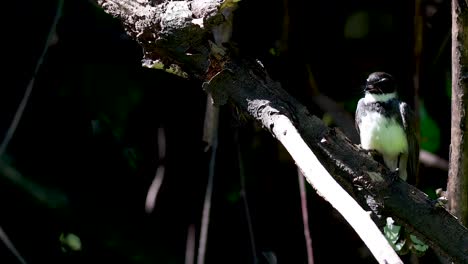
(380, 83)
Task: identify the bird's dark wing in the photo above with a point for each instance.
(409, 123)
(357, 118)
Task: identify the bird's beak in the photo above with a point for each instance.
(369, 88)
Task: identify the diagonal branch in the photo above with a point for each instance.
(178, 32)
(283, 129)
(366, 180)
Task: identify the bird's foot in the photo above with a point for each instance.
(394, 175)
(441, 200)
(375, 155)
(371, 152)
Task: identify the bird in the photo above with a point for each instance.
(386, 126)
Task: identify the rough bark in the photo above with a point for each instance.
(361, 176)
(457, 187)
(179, 33)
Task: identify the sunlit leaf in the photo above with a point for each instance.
(418, 244)
(392, 231)
(70, 241)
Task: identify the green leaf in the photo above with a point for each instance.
(70, 242)
(392, 231)
(418, 244)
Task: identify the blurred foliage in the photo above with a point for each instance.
(112, 94)
(430, 132)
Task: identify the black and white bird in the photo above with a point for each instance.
(386, 126)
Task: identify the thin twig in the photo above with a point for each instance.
(417, 54)
(431, 160)
(243, 194)
(190, 247)
(11, 246)
(341, 117)
(305, 218)
(159, 176)
(19, 112)
(154, 188)
(209, 186)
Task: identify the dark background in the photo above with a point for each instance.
(90, 130)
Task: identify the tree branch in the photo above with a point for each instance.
(362, 177)
(283, 129)
(457, 187)
(173, 32)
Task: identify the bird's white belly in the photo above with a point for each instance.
(382, 134)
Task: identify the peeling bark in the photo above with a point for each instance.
(186, 40)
